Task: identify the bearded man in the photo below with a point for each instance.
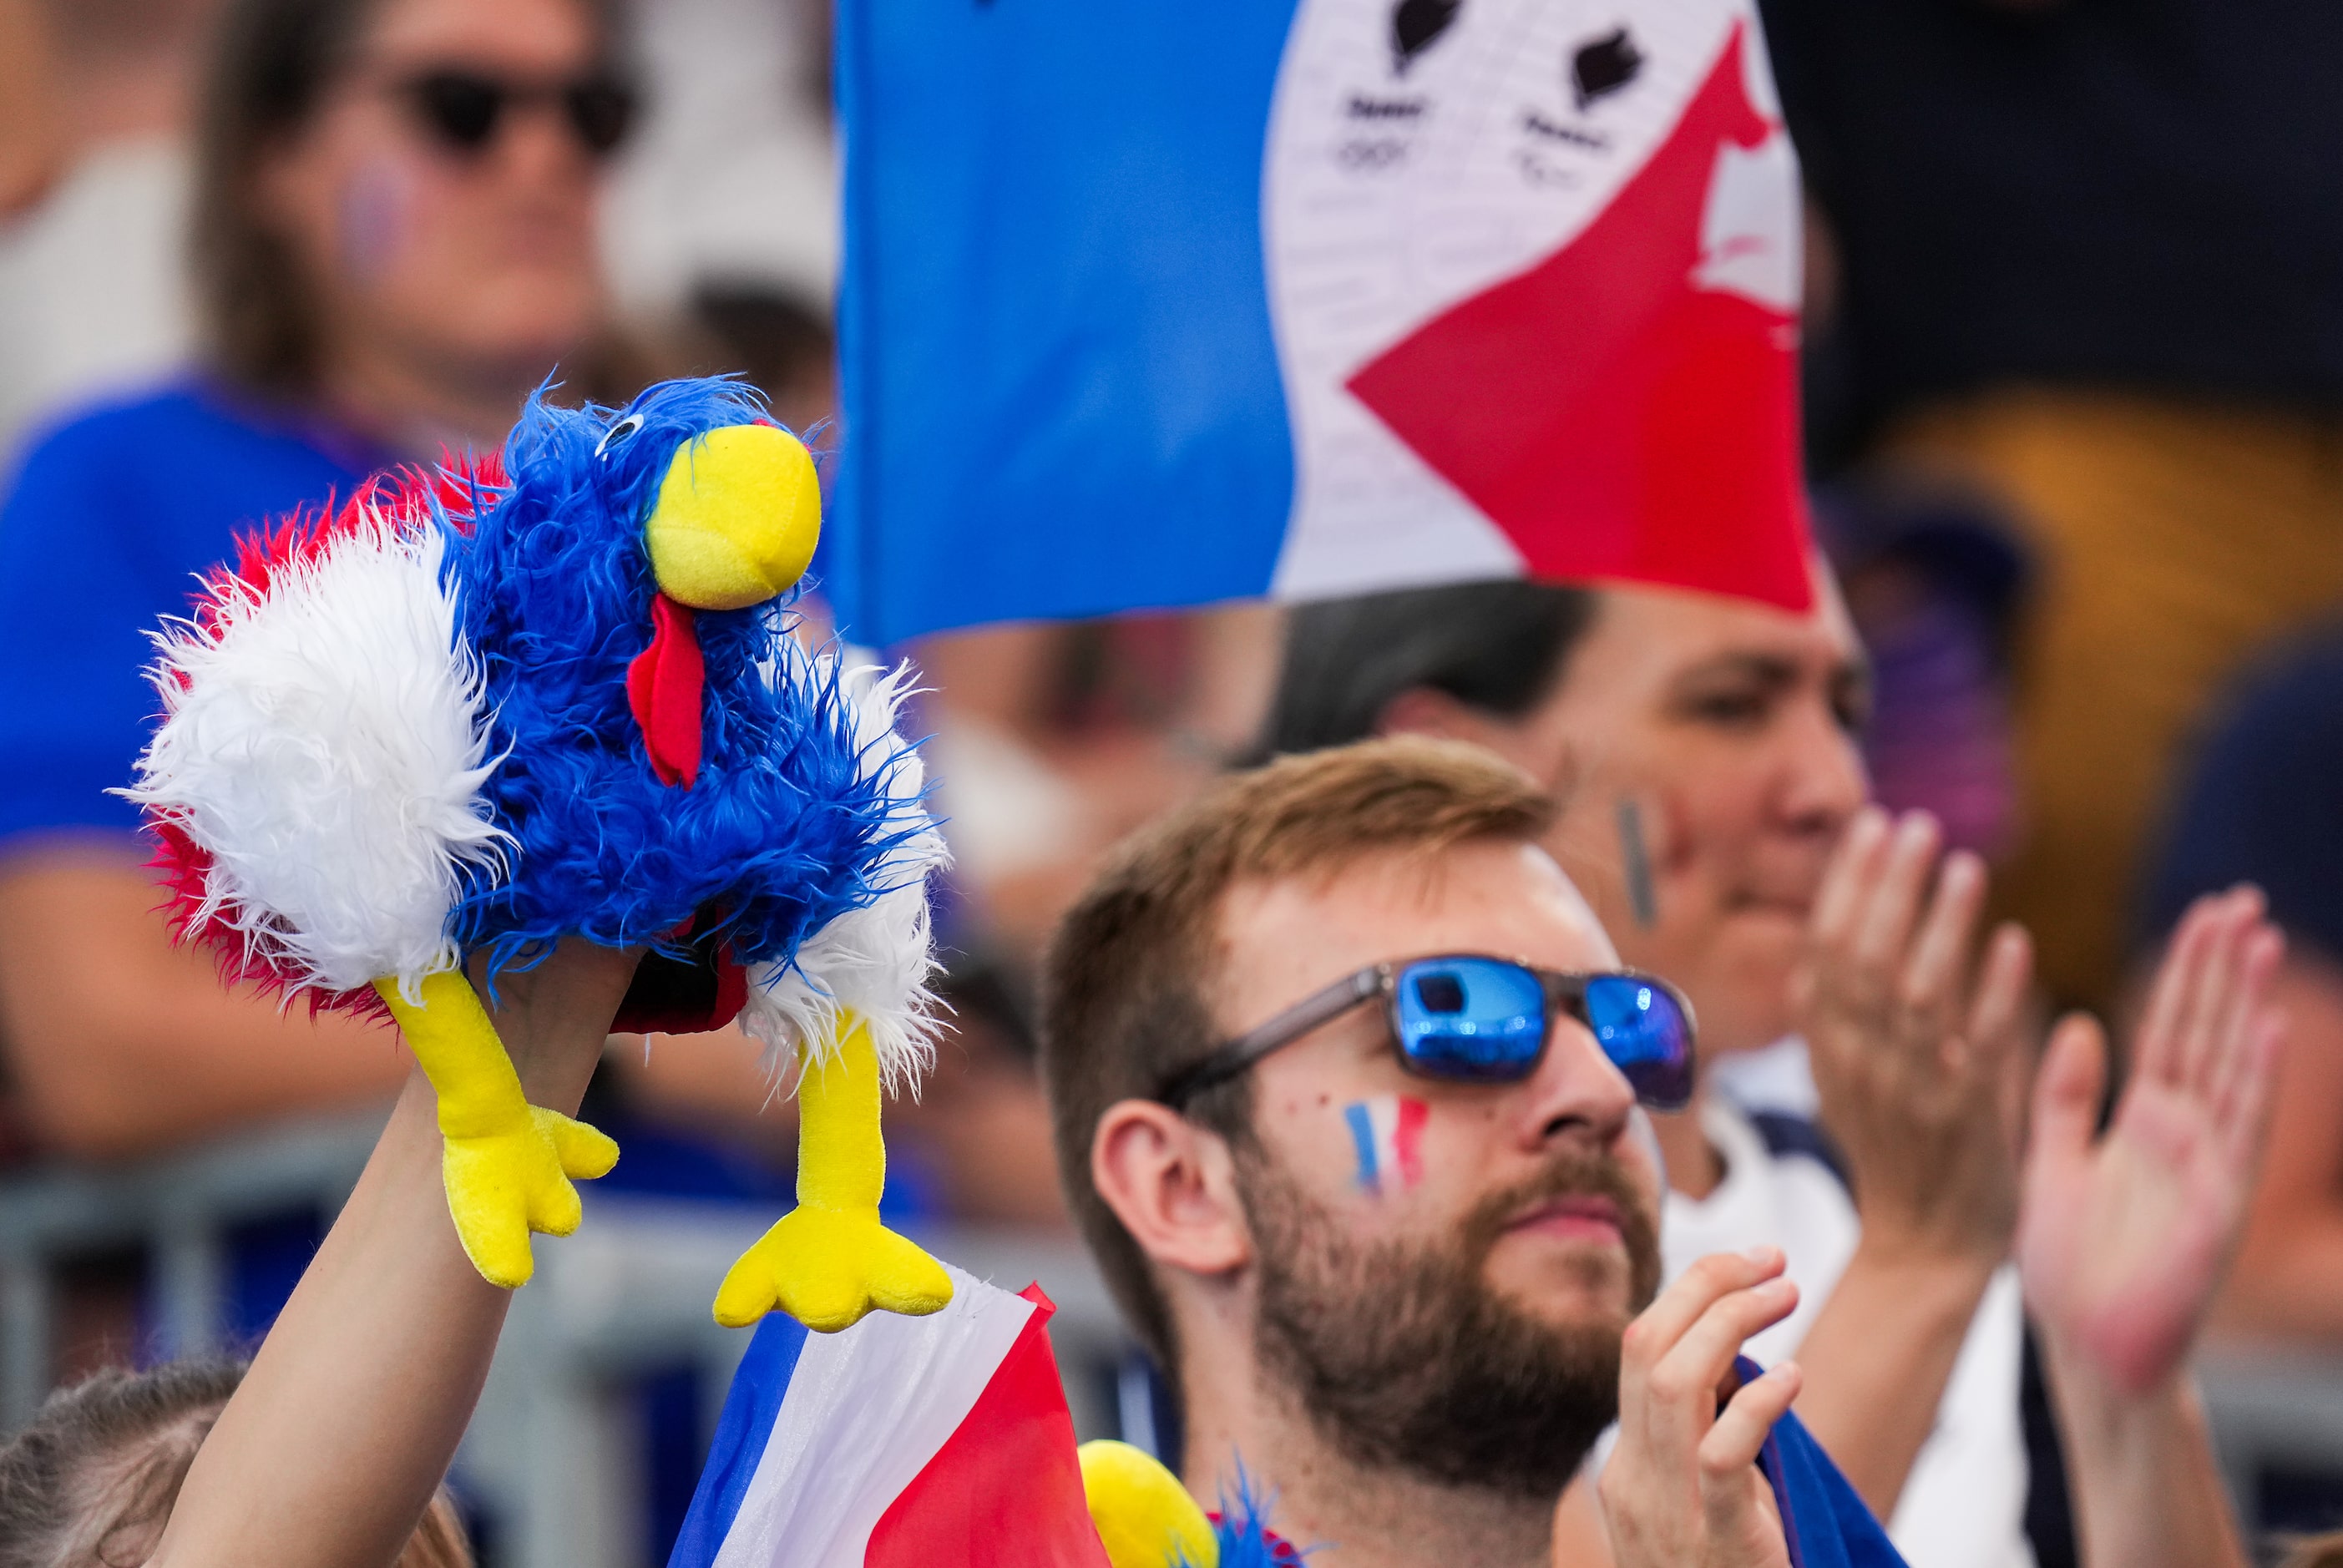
(1344, 1078)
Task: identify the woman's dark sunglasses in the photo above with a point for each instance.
(1471, 1019)
(463, 107)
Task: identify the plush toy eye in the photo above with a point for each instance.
(617, 433)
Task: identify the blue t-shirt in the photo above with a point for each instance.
(108, 516)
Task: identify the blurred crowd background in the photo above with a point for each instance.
(2075, 393)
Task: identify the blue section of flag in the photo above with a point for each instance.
(1362, 1122)
(1825, 1523)
(1054, 321)
(743, 1430)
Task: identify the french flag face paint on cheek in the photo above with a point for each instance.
(1387, 1135)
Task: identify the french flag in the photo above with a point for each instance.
(900, 1443)
(1387, 1135)
(1168, 302)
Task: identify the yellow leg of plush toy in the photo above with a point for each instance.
(509, 1163)
(830, 1261)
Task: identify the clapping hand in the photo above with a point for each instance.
(1920, 1063)
(2125, 1237)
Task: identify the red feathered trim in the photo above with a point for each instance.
(183, 868)
(462, 488)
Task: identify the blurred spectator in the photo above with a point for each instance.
(2087, 254)
(1053, 742)
(92, 1480)
(2263, 802)
(32, 139)
(91, 292)
(973, 1143)
(774, 338)
(394, 238)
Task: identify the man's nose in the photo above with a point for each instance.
(1577, 1093)
(1824, 780)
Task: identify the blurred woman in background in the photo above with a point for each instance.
(394, 241)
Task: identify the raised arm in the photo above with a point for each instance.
(330, 1451)
(1920, 1064)
(2124, 1239)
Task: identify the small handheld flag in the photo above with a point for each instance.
(900, 1441)
(1175, 301)
(943, 1439)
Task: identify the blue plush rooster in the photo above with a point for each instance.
(479, 710)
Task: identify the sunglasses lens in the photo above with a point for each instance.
(1482, 1019)
(461, 109)
(1647, 1035)
(602, 112)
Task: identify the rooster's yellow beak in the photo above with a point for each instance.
(736, 519)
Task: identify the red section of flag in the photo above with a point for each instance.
(1005, 1489)
(1615, 420)
(664, 689)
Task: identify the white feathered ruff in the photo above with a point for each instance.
(326, 743)
(874, 961)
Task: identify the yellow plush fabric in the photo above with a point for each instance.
(1143, 1512)
(509, 1163)
(828, 1261)
(738, 515)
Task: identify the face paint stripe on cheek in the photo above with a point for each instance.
(1387, 1139)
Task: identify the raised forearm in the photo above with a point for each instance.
(346, 1422)
(1877, 1358)
(328, 1454)
(2147, 1489)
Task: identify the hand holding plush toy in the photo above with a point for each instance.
(477, 712)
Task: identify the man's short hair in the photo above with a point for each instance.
(1500, 648)
(1123, 988)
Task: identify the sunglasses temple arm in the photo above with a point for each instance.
(1280, 1031)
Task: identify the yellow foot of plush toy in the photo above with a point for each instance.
(504, 1184)
(828, 1267)
(1145, 1518)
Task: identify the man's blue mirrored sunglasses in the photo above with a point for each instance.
(1471, 1019)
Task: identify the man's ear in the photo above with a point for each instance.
(1174, 1186)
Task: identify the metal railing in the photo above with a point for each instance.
(179, 1210)
(550, 1451)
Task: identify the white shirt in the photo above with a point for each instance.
(1964, 1505)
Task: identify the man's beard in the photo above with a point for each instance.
(1404, 1357)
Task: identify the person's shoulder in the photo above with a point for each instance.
(101, 437)
(123, 419)
(1771, 1141)
(187, 416)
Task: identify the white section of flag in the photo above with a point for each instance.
(1389, 196)
(865, 1410)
